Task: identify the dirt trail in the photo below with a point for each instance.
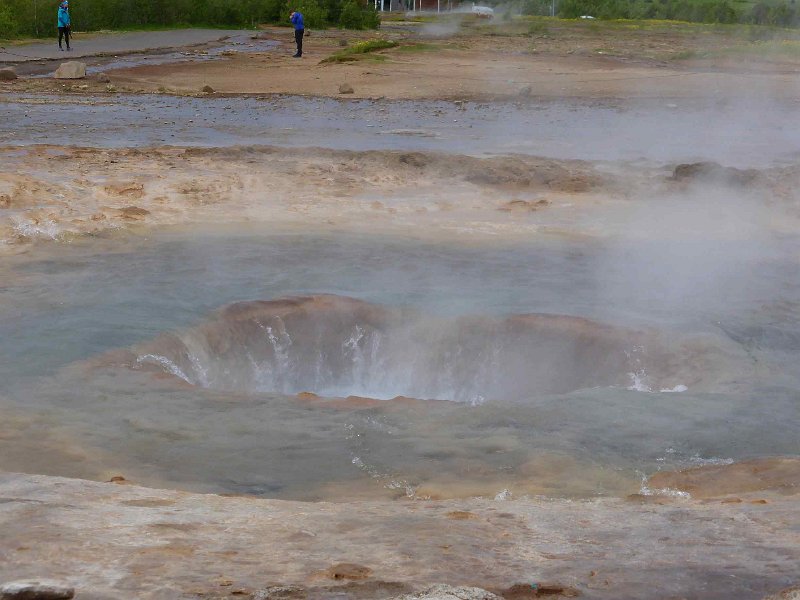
(456, 74)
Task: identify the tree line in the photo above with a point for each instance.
(37, 18)
(783, 13)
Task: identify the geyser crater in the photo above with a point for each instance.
(337, 347)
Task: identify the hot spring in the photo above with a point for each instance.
(392, 367)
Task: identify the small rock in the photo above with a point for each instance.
(348, 571)
(281, 592)
(5, 201)
(126, 188)
(103, 78)
(523, 591)
(346, 88)
(207, 89)
(524, 205)
(526, 91)
(7, 74)
(71, 70)
(36, 590)
(460, 515)
(448, 592)
(133, 212)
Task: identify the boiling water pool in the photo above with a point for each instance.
(113, 360)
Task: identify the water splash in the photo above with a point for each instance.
(503, 495)
(646, 490)
(638, 382)
(339, 347)
(36, 228)
(680, 388)
(169, 366)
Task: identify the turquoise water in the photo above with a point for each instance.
(65, 303)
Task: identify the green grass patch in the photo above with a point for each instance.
(776, 49)
(686, 55)
(770, 49)
(420, 47)
(356, 51)
(538, 28)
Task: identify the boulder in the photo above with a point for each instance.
(346, 88)
(71, 70)
(36, 590)
(7, 74)
(207, 89)
(103, 78)
(714, 172)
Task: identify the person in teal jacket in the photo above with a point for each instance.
(63, 24)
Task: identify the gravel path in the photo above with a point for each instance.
(92, 44)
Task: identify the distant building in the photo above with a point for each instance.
(421, 5)
(393, 5)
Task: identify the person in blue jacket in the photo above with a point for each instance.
(299, 31)
(63, 24)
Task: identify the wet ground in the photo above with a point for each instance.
(657, 132)
(706, 264)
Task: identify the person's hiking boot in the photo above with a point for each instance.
(297, 56)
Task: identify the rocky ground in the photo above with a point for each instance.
(99, 191)
(111, 540)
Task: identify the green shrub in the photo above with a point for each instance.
(541, 8)
(355, 16)
(8, 25)
(781, 15)
(699, 11)
(272, 11)
(370, 19)
(314, 15)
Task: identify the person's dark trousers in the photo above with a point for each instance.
(298, 39)
(63, 33)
